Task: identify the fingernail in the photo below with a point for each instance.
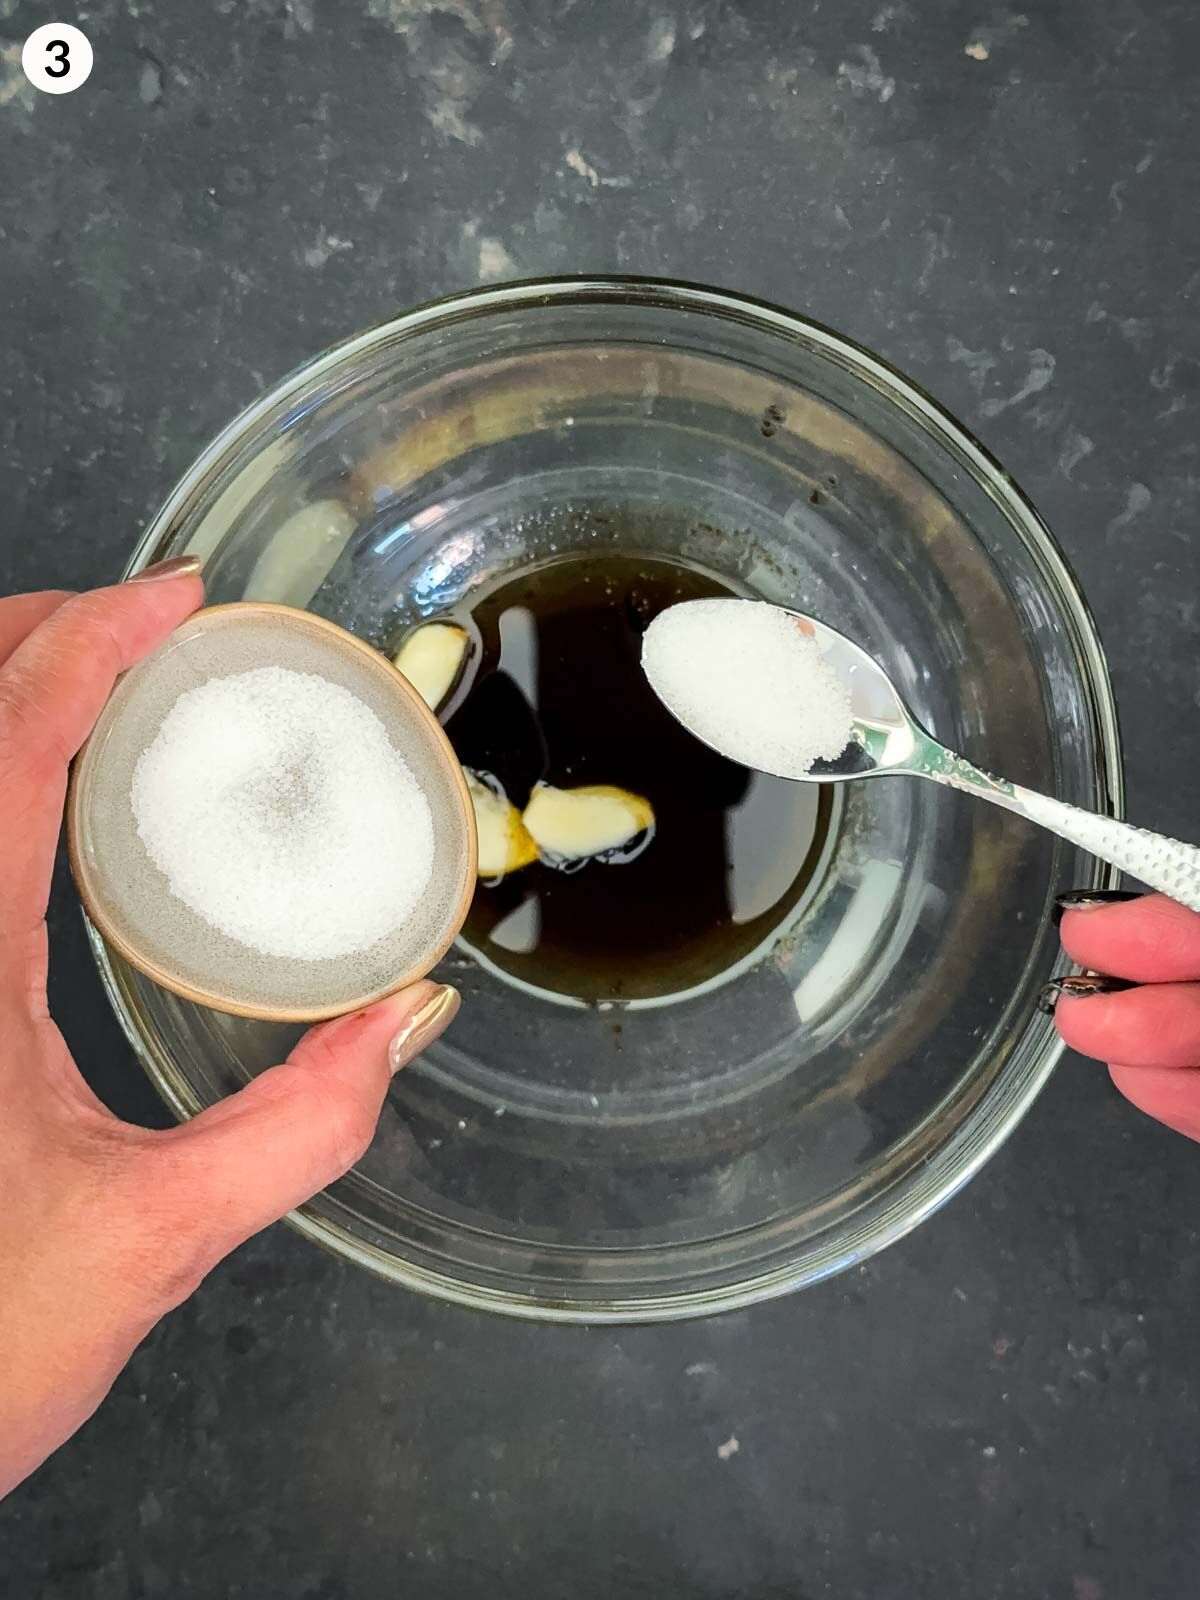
(176, 567)
(1078, 986)
(1090, 900)
(423, 1026)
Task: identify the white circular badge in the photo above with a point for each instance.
(57, 58)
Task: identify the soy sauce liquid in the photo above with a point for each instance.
(560, 697)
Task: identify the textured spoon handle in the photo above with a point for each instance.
(1167, 865)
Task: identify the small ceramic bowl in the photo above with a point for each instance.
(126, 895)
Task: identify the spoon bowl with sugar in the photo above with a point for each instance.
(783, 693)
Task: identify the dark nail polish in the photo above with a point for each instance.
(176, 567)
(1090, 900)
(1078, 986)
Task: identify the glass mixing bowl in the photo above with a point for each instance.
(789, 1117)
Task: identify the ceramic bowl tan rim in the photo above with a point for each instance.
(414, 707)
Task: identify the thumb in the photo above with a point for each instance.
(244, 1163)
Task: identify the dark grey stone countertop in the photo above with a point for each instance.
(1002, 202)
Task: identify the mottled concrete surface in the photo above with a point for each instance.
(1005, 204)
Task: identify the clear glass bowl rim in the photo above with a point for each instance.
(914, 1198)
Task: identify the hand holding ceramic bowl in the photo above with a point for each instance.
(105, 1226)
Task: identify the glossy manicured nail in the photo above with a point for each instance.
(423, 1027)
(176, 567)
(1078, 986)
(1091, 900)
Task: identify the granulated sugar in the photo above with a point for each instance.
(743, 678)
(280, 813)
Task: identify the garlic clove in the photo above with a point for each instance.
(504, 844)
(572, 824)
(431, 658)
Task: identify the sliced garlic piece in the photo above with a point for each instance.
(504, 845)
(431, 658)
(301, 553)
(572, 824)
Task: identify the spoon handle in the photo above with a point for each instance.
(1168, 865)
